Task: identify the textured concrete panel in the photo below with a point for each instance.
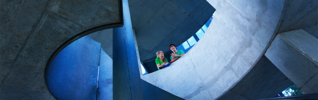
(30, 33)
(223, 84)
(142, 11)
(143, 52)
(188, 6)
(301, 14)
(311, 85)
(105, 37)
(15, 27)
(263, 81)
(87, 13)
(304, 42)
(202, 13)
(30, 64)
(295, 54)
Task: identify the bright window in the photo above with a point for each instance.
(143, 71)
(185, 45)
(204, 28)
(199, 33)
(192, 41)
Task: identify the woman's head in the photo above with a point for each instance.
(160, 54)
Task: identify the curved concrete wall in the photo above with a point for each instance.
(72, 75)
(236, 38)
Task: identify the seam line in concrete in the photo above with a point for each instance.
(59, 15)
(190, 13)
(147, 55)
(308, 81)
(299, 19)
(199, 89)
(196, 70)
(286, 4)
(234, 72)
(296, 48)
(210, 94)
(34, 27)
(153, 17)
(198, 8)
(181, 8)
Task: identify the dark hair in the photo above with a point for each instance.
(172, 45)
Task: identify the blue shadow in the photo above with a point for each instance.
(72, 74)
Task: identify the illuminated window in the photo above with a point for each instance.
(185, 45)
(192, 41)
(143, 71)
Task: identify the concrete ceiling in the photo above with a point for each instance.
(159, 23)
(31, 31)
(105, 37)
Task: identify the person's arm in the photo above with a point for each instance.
(159, 66)
(157, 63)
(176, 55)
(182, 53)
(172, 56)
(179, 55)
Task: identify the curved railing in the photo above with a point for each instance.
(236, 39)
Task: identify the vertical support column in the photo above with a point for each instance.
(126, 76)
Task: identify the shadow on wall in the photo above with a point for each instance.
(73, 73)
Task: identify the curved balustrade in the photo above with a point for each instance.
(236, 39)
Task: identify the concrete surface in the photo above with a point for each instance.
(235, 40)
(301, 14)
(126, 76)
(32, 30)
(263, 81)
(295, 54)
(105, 78)
(72, 75)
(105, 37)
(154, 93)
